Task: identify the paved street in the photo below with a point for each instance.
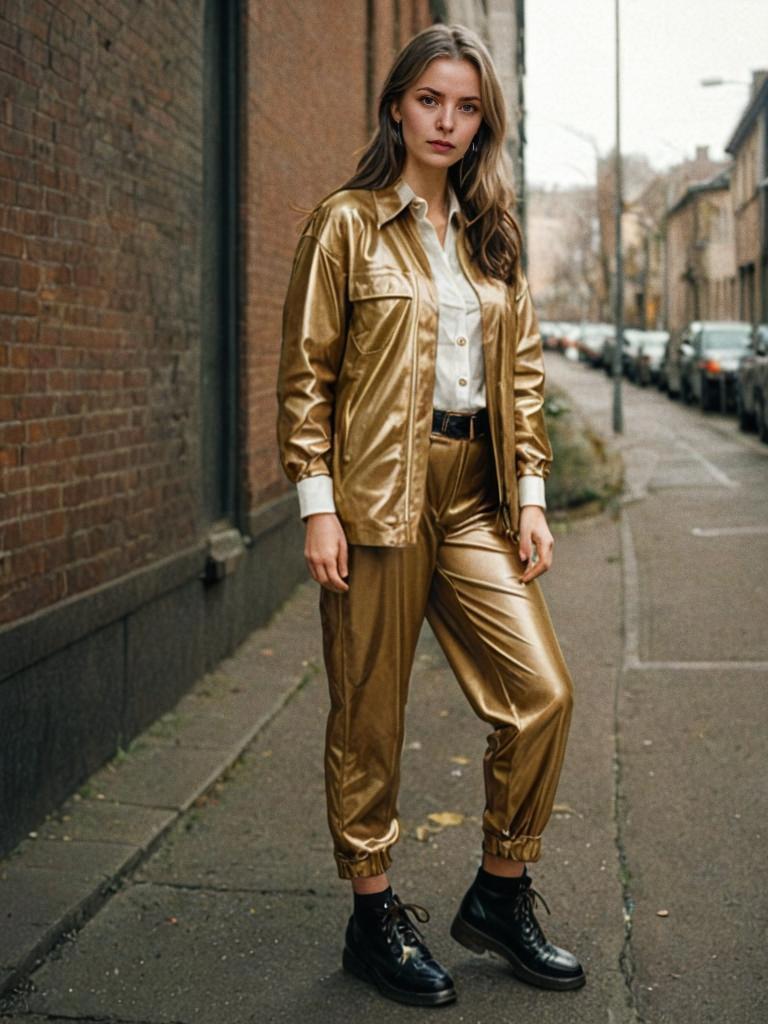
(652, 864)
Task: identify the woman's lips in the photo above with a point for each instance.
(442, 147)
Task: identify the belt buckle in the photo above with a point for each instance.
(472, 426)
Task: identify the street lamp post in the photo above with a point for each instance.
(618, 348)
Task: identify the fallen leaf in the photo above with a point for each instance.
(459, 759)
(446, 818)
(662, 913)
(423, 833)
(443, 714)
(563, 809)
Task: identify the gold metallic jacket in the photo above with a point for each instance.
(357, 367)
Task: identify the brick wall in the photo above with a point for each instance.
(99, 185)
(101, 136)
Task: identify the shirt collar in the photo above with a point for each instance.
(394, 198)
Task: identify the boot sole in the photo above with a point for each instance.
(477, 942)
(354, 965)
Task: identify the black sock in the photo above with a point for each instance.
(367, 903)
(498, 883)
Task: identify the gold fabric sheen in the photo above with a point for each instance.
(357, 367)
(498, 639)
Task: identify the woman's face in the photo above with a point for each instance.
(442, 105)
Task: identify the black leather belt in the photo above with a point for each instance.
(460, 425)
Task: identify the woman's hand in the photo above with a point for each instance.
(534, 531)
(325, 549)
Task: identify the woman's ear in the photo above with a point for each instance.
(393, 110)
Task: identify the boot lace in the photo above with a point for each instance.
(524, 906)
(395, 920)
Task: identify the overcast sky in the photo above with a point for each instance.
(667, 46)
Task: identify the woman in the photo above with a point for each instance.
(410, 417)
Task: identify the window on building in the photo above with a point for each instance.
(220, 271)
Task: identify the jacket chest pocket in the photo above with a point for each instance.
(381, 307)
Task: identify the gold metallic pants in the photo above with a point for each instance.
(499, 641)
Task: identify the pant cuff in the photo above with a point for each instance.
(518, 848)
(375, 863)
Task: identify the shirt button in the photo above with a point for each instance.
(463, 381)
(461, 341)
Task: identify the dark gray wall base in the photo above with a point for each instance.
(80, 680)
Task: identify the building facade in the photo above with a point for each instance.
(749, 148)
(701, 265)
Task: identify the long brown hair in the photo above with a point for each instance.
(483, 181)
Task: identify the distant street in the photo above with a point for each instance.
(652, 863)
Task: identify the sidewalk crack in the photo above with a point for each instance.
(626, 956)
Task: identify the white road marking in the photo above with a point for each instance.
(728, 531)
(701, 666)
(711, 468)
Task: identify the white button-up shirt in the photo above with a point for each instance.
(459, 366)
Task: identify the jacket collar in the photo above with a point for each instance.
(394, 198)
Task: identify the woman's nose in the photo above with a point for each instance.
(445, 121)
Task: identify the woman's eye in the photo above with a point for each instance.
(471, 107)
(431, 98)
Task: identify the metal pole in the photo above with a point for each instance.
(618, 350)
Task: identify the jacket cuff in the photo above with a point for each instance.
(530, 490)
(315, 495)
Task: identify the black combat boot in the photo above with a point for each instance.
(504, 923)
(384, 947)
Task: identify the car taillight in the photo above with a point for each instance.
(709, 366)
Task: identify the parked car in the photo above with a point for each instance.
(592, 340)
(709, 361)
(661, 380)
(630, 340)
(570, 341)
(679, 341)
(649, 356)
(560, 327)
(549, 332)
(609, 344)
(752, 384)
(633, 338)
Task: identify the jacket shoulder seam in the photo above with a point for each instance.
(326, 251)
